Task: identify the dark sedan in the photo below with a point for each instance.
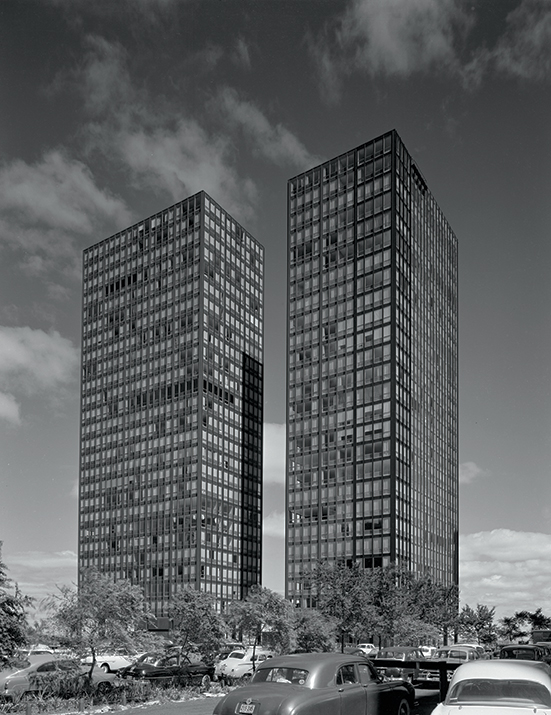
(169, 668)
(524, 652)
(318, 684)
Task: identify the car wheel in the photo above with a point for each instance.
(246, 678)
(103, 687)
(205, 682)
(105, 667)
(403, 708)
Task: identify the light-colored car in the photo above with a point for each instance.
(318, 684)
(36, 676)
(487, 687)
(111, 663)
(245, 669)
(240, 662)
(367, 648)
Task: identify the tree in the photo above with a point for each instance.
(263, 612)
(437, 605)
(100, 614)
(477, 624)
(196, 624)
(510, 629)
(13, 616)
(340, 591)
(534, 620)
(314, 632)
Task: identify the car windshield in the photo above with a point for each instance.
(290, 676)
(478, 690)
(237, 654)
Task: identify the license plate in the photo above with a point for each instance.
(246, 708)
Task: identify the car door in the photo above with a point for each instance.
(371, 684)
(353, 694)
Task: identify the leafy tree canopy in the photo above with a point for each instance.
(263, 612)
(13, 616)
(196, 624)
(101, 614)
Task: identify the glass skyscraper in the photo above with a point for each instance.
(372, 406)
(172, 404)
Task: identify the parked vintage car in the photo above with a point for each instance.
(318, 684)
(110, 663)
(524, 652)
(483, 687)
(169, 668)
(409, 655)
(240, 663)
(452, 655)
(35, 677)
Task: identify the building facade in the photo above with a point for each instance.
(372, 406)
(172, 404)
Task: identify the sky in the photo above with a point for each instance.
(112, 111)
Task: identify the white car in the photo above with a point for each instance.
(367, 648)
(487, 687)
(36, 677)
(240, 663)
(110, 663)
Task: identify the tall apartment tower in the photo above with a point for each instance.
(372, 406)
(171, 404)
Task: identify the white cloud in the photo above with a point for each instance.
(9, 409)
(31, 362)
(510, 570)
(276, 143)
(274, 525)
(241, 55)
(403, 36)
(469, 472)
(390, 37)
(185, 160)
(163, 147)
(56, 192)
(274, 453)
(525, 49)
(48, 206)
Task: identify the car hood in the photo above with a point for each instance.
(271, 695)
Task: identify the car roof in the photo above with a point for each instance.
(321, 666)
(505, 669)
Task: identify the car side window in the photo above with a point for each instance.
(365, 674)
(346, 675)
(46, 667)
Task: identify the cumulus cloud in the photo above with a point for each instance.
(470, 472)
(525, 49)
(184, 160)
(32, 362)
(163, 148)
(274, 525)
(405, 37)
(390, 37)
(275, 143)
(274, 453)
(48, 206)
(510, 570)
